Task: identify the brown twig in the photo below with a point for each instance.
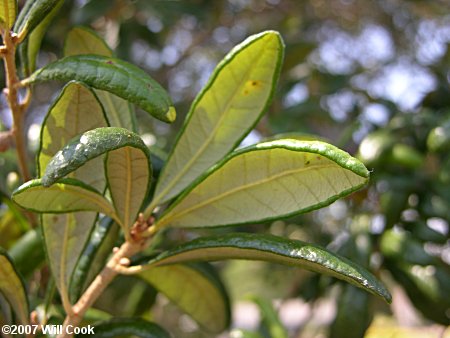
(119, 260)
(12, 96)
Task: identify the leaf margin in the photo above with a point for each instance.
(234, 52)
(322, 148)
(229, 239)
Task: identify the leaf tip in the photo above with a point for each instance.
(171, 114)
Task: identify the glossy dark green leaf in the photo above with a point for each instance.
(353, 311)
(127, 166)
(267, 181)
(29, 49)
(196, 289)
(93, 256)
(82, 40)
(273, 249)
(29, 245)
(128, 327)
(113, 75)
(12, 287)
(88, 146)
(34, 13)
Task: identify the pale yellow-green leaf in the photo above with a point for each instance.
(12, 288)
(65, 235)
(75, 111)
(193, 291)
(119, 111)
(268, 181)
(81, 40)
(224, 112)
(128, 171)
(68, 195)
(8, 12)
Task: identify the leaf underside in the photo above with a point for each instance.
(68, 195)
(273, 249)
(75, 111)
(195, 291)
(8, 12)
(227, 108)
(267, 181)
(12, 288)
(129, 172)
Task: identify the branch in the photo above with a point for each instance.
(17, 109)
(115, 265)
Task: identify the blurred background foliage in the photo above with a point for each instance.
(371, 77)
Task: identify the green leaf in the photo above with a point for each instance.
(273, 249)
(65, 236)
(270, 320)
(353, 311)
(113, 75)
(196, 290)
(12, 287)
(267, 181)
(128, 167)
(29, 49)
(94, 255)
(75, 111)
(68, 195)
(8, 12)
(128, 327)
(82, 40)
(128, 171)
(12, 222)
(228, 107)
(88, 146)
(29, 245)
(34, 13)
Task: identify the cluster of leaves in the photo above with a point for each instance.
(95, 177)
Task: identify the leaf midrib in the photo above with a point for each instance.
(200, 151)
(241, 188)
